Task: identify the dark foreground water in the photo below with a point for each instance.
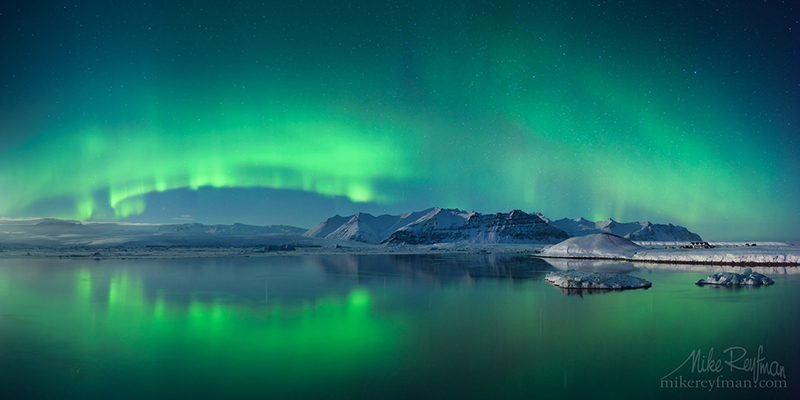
(383, 327)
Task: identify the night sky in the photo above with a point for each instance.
(290, 112)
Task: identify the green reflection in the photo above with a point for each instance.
(83, 284)
(330, 338)
(128, 330)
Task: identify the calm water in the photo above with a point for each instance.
(468, 326)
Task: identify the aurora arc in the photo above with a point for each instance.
(572, 110)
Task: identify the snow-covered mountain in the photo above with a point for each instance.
(638, 231)
(363, 227)
(454, 226)
(437, 225)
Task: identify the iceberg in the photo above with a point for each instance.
(573, 279)
(746, 278)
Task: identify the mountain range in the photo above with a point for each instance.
(638, 231)
(434, 225)
(439, 225)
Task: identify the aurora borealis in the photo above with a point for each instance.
(290, 112)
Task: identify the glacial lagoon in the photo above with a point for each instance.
(344, 326)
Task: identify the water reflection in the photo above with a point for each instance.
(434, 268)
(583, 292)
(733, 288)
(111, 328)
(612, 266)
(392, 327)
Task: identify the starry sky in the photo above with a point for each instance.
(290, 112)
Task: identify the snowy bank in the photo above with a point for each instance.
(768, 255)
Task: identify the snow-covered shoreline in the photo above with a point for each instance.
(73, 239)
(777, 255)
(760, 255)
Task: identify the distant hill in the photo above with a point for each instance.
(53, 232)
(235, 229)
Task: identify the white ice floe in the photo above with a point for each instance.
(572, 279)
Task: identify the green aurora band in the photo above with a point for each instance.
(571, 113)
